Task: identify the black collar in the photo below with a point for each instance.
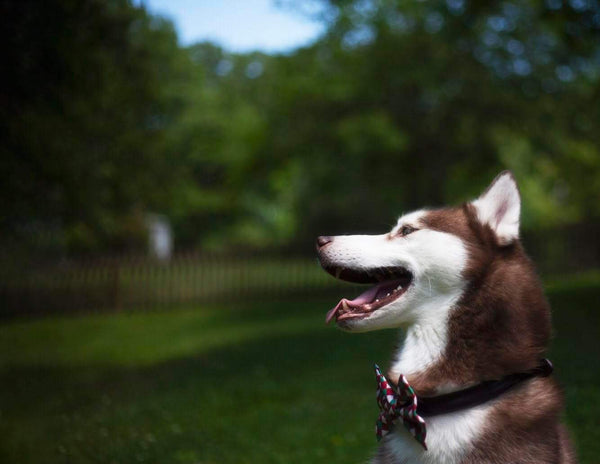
(478, 394)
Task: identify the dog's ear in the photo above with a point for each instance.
(500, 207)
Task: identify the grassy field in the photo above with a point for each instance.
(261, 383)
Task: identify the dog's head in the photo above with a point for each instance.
(422, 267)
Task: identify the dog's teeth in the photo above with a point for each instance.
(376, 300)
(388, 295)
(345, 305)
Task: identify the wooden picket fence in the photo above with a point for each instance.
(141, 283)
(127, 283)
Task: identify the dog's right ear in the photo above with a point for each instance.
(500, 207)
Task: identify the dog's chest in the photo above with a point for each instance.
(449, 438)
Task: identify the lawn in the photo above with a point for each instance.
(254, 383)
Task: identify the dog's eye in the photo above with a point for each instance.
(405, 230)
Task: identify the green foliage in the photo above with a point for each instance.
(84, 115)
(399, 104)
(402, 104)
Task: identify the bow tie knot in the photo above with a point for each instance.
(395, 404)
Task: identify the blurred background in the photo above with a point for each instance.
(166, 166)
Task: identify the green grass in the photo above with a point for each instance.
(265, 383)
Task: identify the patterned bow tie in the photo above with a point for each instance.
(401, 403)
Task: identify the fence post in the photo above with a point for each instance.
(116, 297)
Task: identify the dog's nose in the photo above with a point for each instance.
(323, 240)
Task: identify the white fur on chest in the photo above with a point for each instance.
(449, 438)
(426, 340)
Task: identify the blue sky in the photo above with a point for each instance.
(237, 25)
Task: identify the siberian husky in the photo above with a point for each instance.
(475, 318)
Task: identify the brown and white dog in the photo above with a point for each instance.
(459, 282)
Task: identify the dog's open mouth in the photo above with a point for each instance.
(391, 284)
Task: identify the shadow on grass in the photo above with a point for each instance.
(575, 352)
(305, 397)
(295, 398)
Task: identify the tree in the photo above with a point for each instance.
(84, 113)
(398, 105)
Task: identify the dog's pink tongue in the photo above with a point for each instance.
(365, 297)
(361, 299)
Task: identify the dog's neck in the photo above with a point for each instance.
(423, 345)
(450, 349)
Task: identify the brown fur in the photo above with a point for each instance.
(500, 326)
(524, 428)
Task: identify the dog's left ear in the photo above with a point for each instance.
(500, 207)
